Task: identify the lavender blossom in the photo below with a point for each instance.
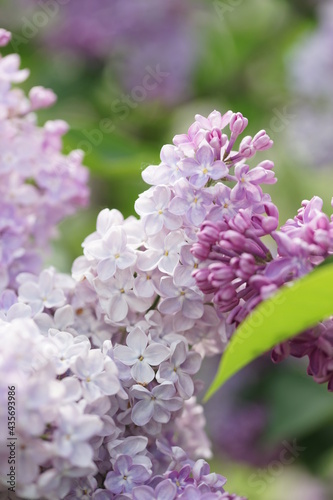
(39, 186)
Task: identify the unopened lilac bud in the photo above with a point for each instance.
(5, 37)
(220, 274)
(202, 278)
(237, 239)
(266, 164)
(200, 250)
(272, 211)
(246, 149)
(209, 232)
(216, 140)
(269, 224)
(241, 222)
(245, 266)
(280, 352)
(238, 124)
(261, 141)
(226, 294)
(41, 97)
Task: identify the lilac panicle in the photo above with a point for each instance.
(236, 269)
(39, 186)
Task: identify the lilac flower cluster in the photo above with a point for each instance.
(237, 269)
(103, 362)
(39, 186)
(98, 418)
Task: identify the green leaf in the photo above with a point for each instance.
(293, 309)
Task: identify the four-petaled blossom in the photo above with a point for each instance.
(66, 348)
(168, 171)
(112, 252)
(97, 373)
(180, 298)
(152, 206)
(141, 356)
(190, 201)
(183, 274)
(42, 293)
(165, 490)
(162, 252)
(156, 404)
(125, 475)
(117, 296)
(182, 364)
(73, 430)
(248, 182)
(203, 167)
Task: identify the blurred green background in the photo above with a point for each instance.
(236, 55)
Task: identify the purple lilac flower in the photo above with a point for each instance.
(141, 356)
(157, 404)
(182, 364)
(203, 168)
(125, 475)
(165, 490)
(237, 270)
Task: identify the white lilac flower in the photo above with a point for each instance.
(157, 404)
(162, 252)
(180, 298)
(183, 273)
(66, 349)
(107, 362)
(133, 446)
(42, 294)
(98, 374)
(190, 201)
(111, 251)
(152, 206)
(141, 356)
(168, 172)
(117, 296)
(83, 488)
(10, 309)
(182, 364)
(146, 283)
(73, 430)
(165, 490)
